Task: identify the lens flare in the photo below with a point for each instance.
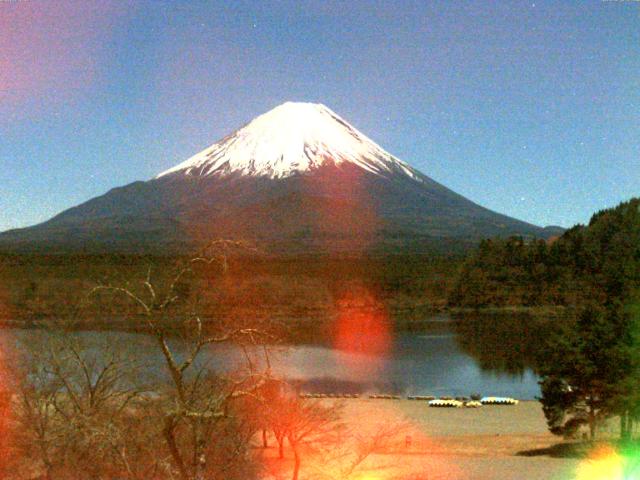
(605, 463)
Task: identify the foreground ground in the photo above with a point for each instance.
(490, 442)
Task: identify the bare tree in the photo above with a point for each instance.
(310, 424)
(72, 405)
(344, 454)
(360, 447)
(40, 433)
(198, 402)
(274, 414)
(315, 427)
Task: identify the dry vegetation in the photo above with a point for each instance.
(79, 405)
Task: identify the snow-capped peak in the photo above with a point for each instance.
(293, 137)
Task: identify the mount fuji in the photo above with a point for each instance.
(297, 179)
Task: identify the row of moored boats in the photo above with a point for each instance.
(450, 402)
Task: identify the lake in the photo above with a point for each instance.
(488, 356)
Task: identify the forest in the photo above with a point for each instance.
(588, 262)
(589, 364)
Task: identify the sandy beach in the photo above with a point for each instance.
(448, 443)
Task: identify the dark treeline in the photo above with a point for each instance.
(592, 262)
(295, 290)
(513, 272)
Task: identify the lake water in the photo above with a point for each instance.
(418, 364)
(451, 358)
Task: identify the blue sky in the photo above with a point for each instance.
(529, 108)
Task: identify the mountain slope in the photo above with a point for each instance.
(296, 179)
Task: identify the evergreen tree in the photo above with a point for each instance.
(591, 367)
(580, 369)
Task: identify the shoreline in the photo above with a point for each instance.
(463, 443)
(405, 318)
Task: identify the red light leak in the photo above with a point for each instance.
(345, 212)
(5, 386)
(362, 329)
(51, 47)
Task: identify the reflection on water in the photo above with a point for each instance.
(506, 343)
(485, 355)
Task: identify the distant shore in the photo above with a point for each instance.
(404, 319)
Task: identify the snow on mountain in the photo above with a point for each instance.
(304, 181)
(293, 137)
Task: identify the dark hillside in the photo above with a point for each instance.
(598, 261)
